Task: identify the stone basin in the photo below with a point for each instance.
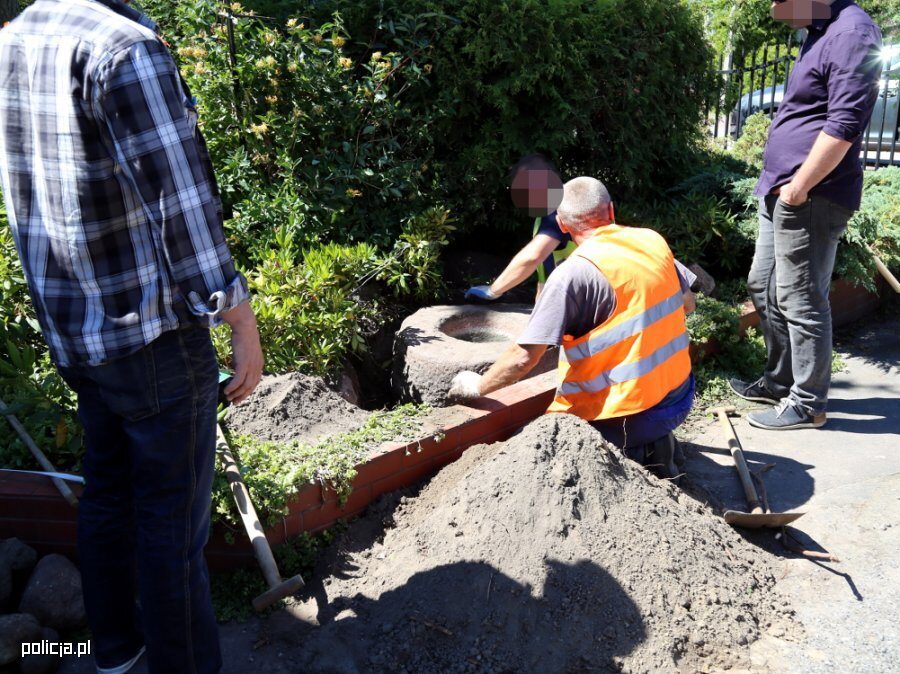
(437, 342)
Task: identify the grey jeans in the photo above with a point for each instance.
(789, 283)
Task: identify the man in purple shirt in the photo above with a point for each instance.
(810, 185)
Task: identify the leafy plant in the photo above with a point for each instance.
(232, 593)
(699, 228)
(306, 136)
(877, 225)
(737, 356)
(593, 96)
(309, 303)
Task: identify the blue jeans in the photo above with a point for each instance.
(789, 282)
(150, 428)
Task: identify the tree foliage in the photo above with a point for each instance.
(612, 88)
(745, 25)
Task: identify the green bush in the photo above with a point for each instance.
(702, 216)
(876, 224)
(751, 146)
(312, 313)
(304, 137)
(611, 88)
(737, 356)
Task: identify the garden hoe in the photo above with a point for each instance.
(278, 588)
(757, 518)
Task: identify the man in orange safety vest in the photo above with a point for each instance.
(617, 310)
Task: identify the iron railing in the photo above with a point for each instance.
(755, 82)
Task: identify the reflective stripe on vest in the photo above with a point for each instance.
(624, 373)
(638, 355)
(632, 326)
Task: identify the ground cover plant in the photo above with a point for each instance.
(274, 472)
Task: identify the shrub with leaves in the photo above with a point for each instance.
(305, 136)
(309, 303)
(751, 146)
(737, 356)
(877, 225)
(611, 88)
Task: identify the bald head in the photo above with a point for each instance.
(586, 204)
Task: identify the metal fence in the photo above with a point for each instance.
(755, 82)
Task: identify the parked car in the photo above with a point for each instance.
(885, 118)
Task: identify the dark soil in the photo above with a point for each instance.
(547, 553)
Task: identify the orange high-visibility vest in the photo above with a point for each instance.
(639, 355)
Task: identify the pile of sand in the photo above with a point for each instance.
(293, 407)
(547, 553)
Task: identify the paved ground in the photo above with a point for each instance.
(845, 477)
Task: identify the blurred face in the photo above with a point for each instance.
(536, 190)
(801, 13)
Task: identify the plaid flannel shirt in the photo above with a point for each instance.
(109, 188)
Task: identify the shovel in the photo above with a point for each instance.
(40, 456)
(278, 588)
(884, 271)
(757, 518)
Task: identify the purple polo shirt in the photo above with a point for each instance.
(832, 88)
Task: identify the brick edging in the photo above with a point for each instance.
(31, 509)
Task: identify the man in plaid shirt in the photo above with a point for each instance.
(116, 216)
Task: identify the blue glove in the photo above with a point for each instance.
(481, 293)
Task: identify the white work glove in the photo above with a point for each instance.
(481, 293)
(465, 386)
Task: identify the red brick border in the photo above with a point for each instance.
(32, 509)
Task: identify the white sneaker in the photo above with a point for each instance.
(124, 667)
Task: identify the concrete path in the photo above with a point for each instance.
(846, 478)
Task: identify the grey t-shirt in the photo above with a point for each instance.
(576, 299)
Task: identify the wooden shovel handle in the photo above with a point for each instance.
(737, 453)
(250, 519)
(884, 271)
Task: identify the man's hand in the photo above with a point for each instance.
(481, 293)
(793, 196)
(465, 386)
(246, 353)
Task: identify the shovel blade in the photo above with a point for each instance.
(760, 521)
